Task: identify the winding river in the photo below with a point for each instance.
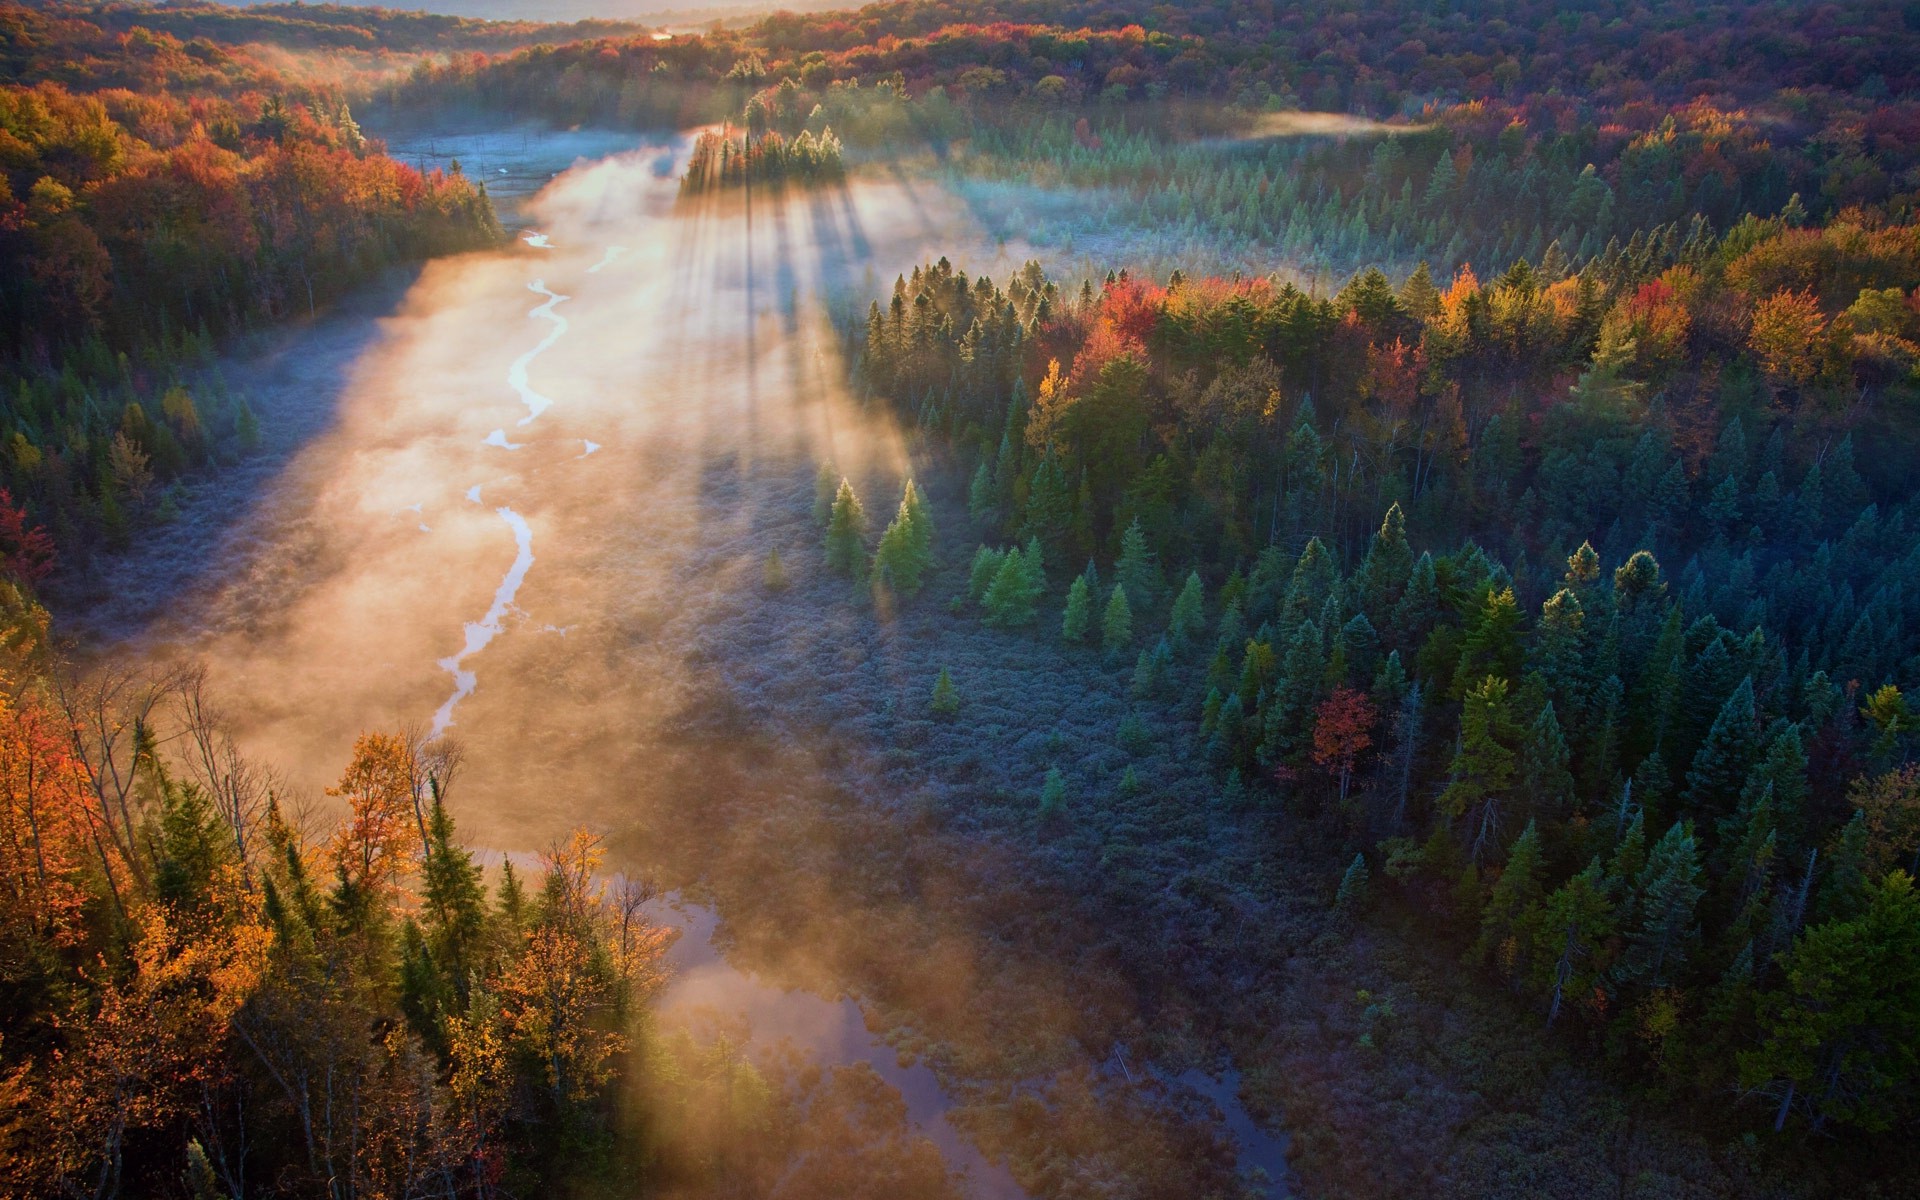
(596, 477)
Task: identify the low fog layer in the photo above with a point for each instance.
(518, 507)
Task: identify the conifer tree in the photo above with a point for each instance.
(905, 551)
(1482, 769)
(1841, 1038)
(1848, 873)
(1555, 652)
(1011, 597)
(1382, 575)
(1724, 759)
(456, 902)
(1543, 766)
(773, 575)
(986, 566)
(1355, 888)
(981, 499)
(946, 700)
(1116, 627)
(1136, 570)
(1516, 890)
(1570, 933)
(1665, 902)
(845, 553)
(1492, 644)
(826, 486)
(1079, 614)
(1286, 736)
(1053, 794)
(1188, 619)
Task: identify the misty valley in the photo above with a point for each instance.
(969, 598)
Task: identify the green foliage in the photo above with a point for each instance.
(1188, 619)
(1136, 569)
(905, 553)
(946, 700)
(1356, 888)
(1841, 1038)
(1017, 586)
(1079, 615)
(1116, 626)
(846, 524)
(1053, 794)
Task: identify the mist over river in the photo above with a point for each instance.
(524, 499)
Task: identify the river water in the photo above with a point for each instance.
(502, 504)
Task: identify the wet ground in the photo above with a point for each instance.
(524, 500)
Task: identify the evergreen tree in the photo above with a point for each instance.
(1841, 1038)
(1492, 645)
(905, 553)
(456, 900)
(1514, 892)
(1569, 934)
(1286, 730)
(1136, 570)
(1665, 902)
(1556, 652)
(1725, 758)
(1482, 770)
(847, 522)
(1382, 575)
(773, 575)
(1543, 766)
(987, 563)
(1079, 614)
(981, 498)
(1355, 888)
(1116, 627)
(945, 701)
(1849, 873)
(826, 487)
(1188, 619)
(1053, 794)
(1011, 597)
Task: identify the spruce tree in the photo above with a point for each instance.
(773, 575)
(1355, 888)
(826, 486)
(946, 700)
(1482, 769)
(905, 552)
(1011, 597)
(1516, 890)
(981, 500)
(1188, 619)
(986, 565)
(1543, 766)
(1382, 574)
(1666, 899)
(1568, 934)
(845, 553)
(1724, 759)
(1079, 614)
(1116, 627)
(1136, 570)
(456, 899)
(1053, 794)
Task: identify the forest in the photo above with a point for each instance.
(1406, 590)
(160, 196)
(1659, 799)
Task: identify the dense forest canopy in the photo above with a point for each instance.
(156, 196)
